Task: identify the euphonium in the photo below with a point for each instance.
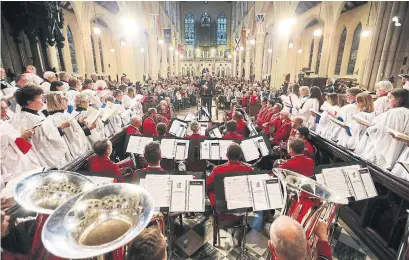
(98, 221)
(307, 201)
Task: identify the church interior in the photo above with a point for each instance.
(204, 130)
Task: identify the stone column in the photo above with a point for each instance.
(171, 62)
(247, 64)
(328, 41)
(177, 63)
(153, 56)
(380, 75)
(315, 52)
(234, 69)
(164, 64)
(258, 61)
(86, 41)
(279, 61)
(240, 68)
(52, 57)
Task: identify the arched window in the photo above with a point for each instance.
(189, 29)
(354, 50)
(101, 55)
(311, 54)
(192, 71)
(188, 72)
(317, 66)
(218, 71)
(223, 72)
(72, 50)
(93, 55)
(190, 54)
(221, 54)
(183, 71)
(205, 20)
(340, 51)
(222, 29)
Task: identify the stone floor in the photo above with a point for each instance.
(195, 239)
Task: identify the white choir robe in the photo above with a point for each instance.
(398, 169)
(137, 109)
(305, 113)
(380, 105)
(49, 147)
(126, 101)
(357, 131)
(113, 126)
(13, 162)
(46, 86)
(74, 136)
(346, 112)
(70, 95)
(379, 147)
(324, 123)
(33, 78)
(98, 133)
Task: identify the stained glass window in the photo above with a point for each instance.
(189, 29)
(183, 71)
(222, 29)
(93, 54)
(354, 50)
(340, 51)
(317, 66)
(101, 55)
(72, 50)
(311, 54)
(205, 20)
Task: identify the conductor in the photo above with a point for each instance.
(206, 93)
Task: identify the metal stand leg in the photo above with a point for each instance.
(243, 254)
(169, 237)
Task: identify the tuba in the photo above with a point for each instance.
(98, 221)
(307, 201)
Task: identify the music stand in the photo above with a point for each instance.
(221, 206)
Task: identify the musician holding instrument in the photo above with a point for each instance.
(298, 163)
(288, 240)
(134, 127)
(150, 244)
(241, 124)
(231, 127)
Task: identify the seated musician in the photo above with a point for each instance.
(150, 244)
(271, 117)
(161, 129)
(102, 164)
(298, 163)
(231, 133)
(149, 123)
(241, 124)
(302, 133)
(263, 117)
(234, 153)
(263, 109)
(282, 127)
(229, 114)
(134, 127)
(288, 240)
(153, 157)
(194, 164)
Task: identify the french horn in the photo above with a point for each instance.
(307, 201)
(43, 192)
(98, 221)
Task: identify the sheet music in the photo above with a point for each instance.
(205, 150)
(258, 191)
(216, 133)
(144, 141)
(274, 195)
(178, 128)
(189, 117)
(167, 147)
(358, 188)
(159, 187)
(214, 150)
(182, 148)
(250, 150)
(368, 183)
(320, 179)
(224, 145)
(336, 181)
(133, 144)
(259, 141)
(92, 115)
(196, 196)
(237, 192)
(203, 127)
(178, 196)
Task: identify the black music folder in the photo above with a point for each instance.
(178, 127)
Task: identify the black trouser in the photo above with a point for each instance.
(207, 102)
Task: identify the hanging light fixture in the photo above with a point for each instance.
(367, 32)
(97, 30)
(299, 51)
(160, 41)
(112, 50)
(270, 50)
(142, 50)
(290, 45)
(123, 43)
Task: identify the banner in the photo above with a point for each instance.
(167, 35)
(243, 36)
(237, 41)
(260, 23)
